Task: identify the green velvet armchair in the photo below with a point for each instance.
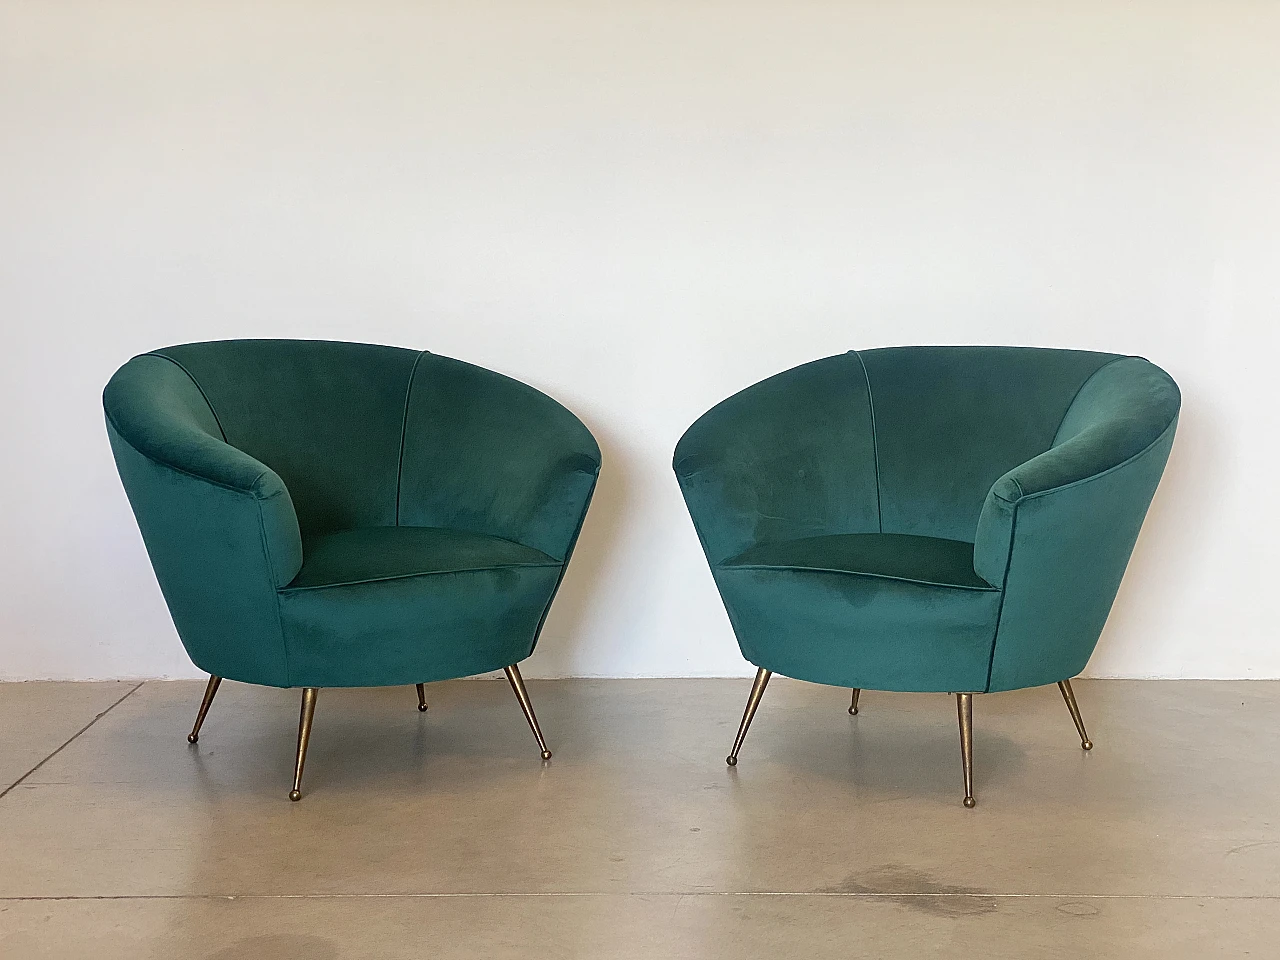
(324, 514)
(952, 519)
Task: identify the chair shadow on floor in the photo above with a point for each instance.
(278, 947)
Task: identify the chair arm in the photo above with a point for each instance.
(156, 411)
(1124, 411)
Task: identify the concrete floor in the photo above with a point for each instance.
(443, 835)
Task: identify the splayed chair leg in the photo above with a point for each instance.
(517, 684)
(209, 693)
(964, 707)
(304, 738)
(853, 704)
(753, 701)
(422, 697)
(1069, 695)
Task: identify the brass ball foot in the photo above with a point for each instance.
(970, 802)
(422, 708)
(853, 711)
(731, 761)
(546, 754)
(295, 795)
(1087, 744)
(192, 738)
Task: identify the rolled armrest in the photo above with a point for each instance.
(1126, 409)
(154, 409)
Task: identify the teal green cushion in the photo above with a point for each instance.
(861, 631)
(928, 518)
(387, 553)
(342, 514)
(894, 556)
(383, 605)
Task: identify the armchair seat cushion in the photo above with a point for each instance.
(893, 556)
(858, 630)
(369, 554)
(378, 606)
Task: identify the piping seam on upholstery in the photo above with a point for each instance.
(1079, 390)
(1013, 528)
(1004, 593)
(564, 564)
(856, 573)
(404, 428)
(1098, 476)
(271, 567)
(195, 383)
(534, 565)
(247, 491)
(875, 440)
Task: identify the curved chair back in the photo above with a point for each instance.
(235, 453)
(1046, 460)
(950, 421)
(327, 417)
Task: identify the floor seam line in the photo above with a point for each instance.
(75, 736)
(652, 893)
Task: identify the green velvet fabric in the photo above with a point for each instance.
(950, 421)
(491, 455)
(1008, 488)
(807, 434)
(312, 524)
(328, 418)
(927, 560)
(389, 553)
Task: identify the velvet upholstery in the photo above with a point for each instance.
(928, 518)
(327, 514)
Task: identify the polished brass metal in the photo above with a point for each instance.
(753, 701)
(422, 697)
(1069, 695)
(964, 707)
(517, 684)
(853, 704)
(209, 693)
(304, 738)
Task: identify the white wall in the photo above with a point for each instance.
(639, 207)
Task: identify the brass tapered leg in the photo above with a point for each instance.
(517, 684)
(964, 706)
(209, 693)
(422, 697)
(1069, 695)
(304, 738)
(853, 704)
(753, 701)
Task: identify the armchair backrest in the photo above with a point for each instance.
(326, 416)
(489, 454)
(791, 456)
(950, 421)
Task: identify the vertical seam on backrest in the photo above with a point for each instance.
(195, 383)
(1080, 390)
(875, 442)
(404, 429)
